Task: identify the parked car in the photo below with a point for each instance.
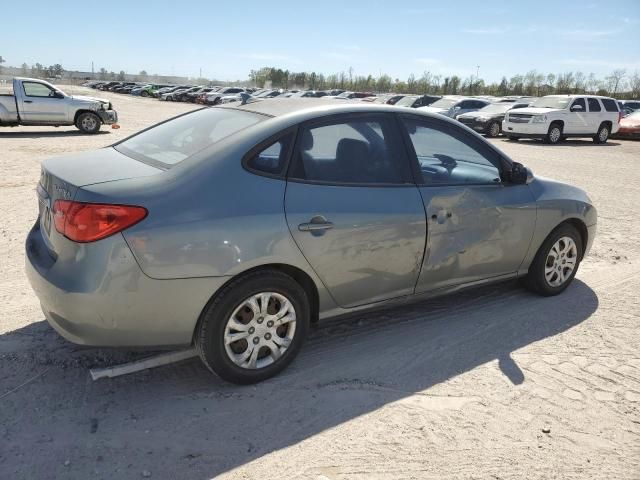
(213, 98)
(115, 263)
(191, 96)
(488, 120)
(452, 106)
(629, 126)
(388, 98)
(36, 102)
(629, 106)
(126, 87)
(309, 94)
(415, 101)
(106, 85)
(350, 95)
(175, 94)
(158, 93)
(201, 97)
(556, 117)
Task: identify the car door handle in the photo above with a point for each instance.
(28, 101)
(317, 223)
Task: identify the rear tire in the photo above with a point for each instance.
(603, 134)
(551, 273)
(88, 123)
(554, 135)
(263, 348)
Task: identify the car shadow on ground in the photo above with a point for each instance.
(180, 421)
(61, 133)
(570, 142)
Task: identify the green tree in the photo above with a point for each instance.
(121, 76)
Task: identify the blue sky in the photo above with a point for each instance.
(227, 39)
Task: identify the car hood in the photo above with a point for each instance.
(90, 99)
(478, 114)
(433, 109)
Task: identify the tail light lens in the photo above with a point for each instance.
(89, 222)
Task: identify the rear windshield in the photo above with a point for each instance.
(176, 140)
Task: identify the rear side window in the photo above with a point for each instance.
(609, 105)
(176, 140)
(594, 105)
(353, 151)
(271, 160)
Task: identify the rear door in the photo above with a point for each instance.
(596, 114)
(478, 226)
(353, 209)
(39, 105)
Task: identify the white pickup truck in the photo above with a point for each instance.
(36, 102)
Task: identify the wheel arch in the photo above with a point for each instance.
(297, 274)
(558, 122)
(85, 110)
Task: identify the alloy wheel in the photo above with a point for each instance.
(260, 330)
(561, 261)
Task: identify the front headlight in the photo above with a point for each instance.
(539, 119)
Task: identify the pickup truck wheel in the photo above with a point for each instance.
(493, 130)
(603, 134)
(554, 135)
(88, 122)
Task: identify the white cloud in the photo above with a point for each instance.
(586, 34)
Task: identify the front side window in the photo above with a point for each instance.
(594, 105)
(356, 151)
(33, 89)
(581, 102)
(271, 159)
(447, 156)
(176, 140)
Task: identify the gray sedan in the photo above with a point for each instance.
(235, 227)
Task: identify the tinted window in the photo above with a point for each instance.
(272, 158)
(594, 105)
(448, 156)
(609, 105)
(356, 151)
(171, 142)
(32, 89)
(579, 101)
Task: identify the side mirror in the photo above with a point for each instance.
(58, 94)
(519, 174)
(457, 108)
(577, 108)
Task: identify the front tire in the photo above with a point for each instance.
(554, 135)
(254, 327)
(603, 134)
(88, 123)
(556, 262)
(144, 94)
(493, 130)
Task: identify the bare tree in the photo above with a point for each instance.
(614, 80)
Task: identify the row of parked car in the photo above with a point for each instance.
(552, 118)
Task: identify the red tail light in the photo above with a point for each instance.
(88, 222)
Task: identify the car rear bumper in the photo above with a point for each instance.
(102, 298)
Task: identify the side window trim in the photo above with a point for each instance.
(333, 119)
(266, 143)
(24, 89)
(483, 150)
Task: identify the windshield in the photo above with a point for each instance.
(406, 101)
(345, 94)
(551, 102)
(496, 108)
(445, 103)
(176, 140)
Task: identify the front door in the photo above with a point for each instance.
(41, 106)
(353, 209)
(479, 226)
(577, 121)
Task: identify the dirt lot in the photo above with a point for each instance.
(460, 387)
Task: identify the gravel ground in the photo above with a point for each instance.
(491, 383)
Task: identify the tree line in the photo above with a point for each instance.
(618, 84)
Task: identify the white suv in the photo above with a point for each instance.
(556, 117)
